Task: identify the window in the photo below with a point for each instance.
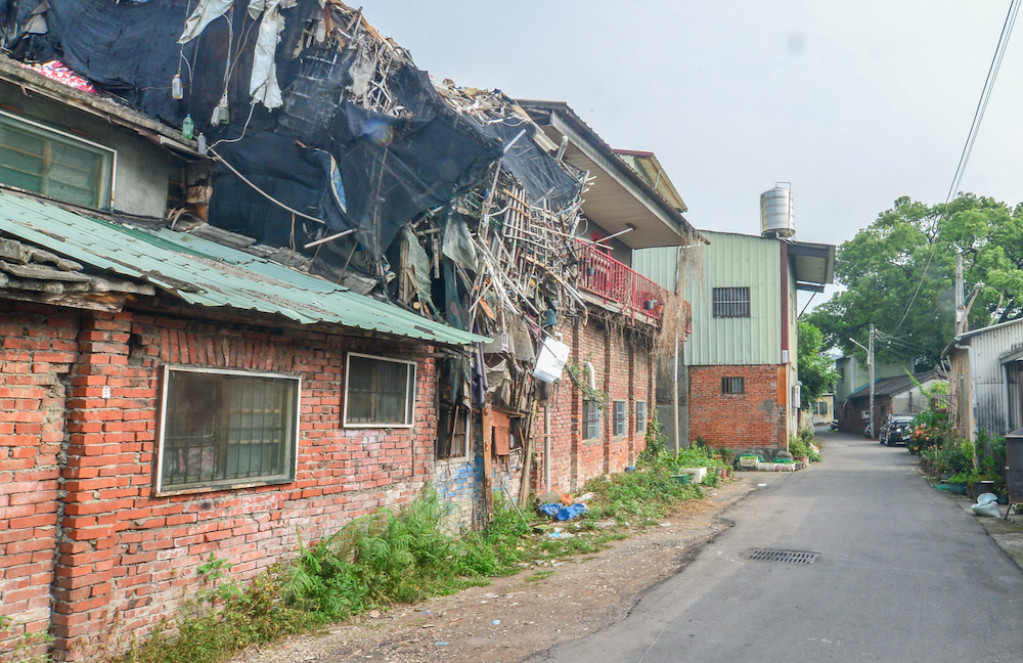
(55, 164)
(380, 392)
(731, 302)
(452, 432)
(640, 416)
(591, 420)
(225, 428)
(733, 385)
(822, 407)
(621, 418)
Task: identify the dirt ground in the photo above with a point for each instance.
(514, 617)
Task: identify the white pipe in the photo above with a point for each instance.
(547, 447)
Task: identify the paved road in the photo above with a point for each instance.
(904, 575)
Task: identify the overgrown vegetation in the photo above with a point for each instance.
(401, 557)
(946, 457)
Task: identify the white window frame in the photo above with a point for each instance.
(231, 484)
(410, 399)
(107, 193)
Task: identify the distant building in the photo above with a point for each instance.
(984, 380)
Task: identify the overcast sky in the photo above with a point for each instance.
(855, 104)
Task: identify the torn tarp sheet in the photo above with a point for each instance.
(301, 178)
(540, 175)
(395, 169)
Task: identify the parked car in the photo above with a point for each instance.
(896, 430)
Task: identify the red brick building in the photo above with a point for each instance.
(743, 384)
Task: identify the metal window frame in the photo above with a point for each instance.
(640, 421)
(410, 392)
(728, 383)
(589, 402)
(37, 127)
(726, 302)
(624, 419)
(165, 372)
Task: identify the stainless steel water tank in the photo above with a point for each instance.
(777, 217)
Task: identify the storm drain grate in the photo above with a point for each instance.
(790, 556)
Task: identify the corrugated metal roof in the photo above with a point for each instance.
(204, 273)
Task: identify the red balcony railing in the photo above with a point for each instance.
(616, 282)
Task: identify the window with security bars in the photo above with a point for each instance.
(54, 164)
(731, 302)
(380, 392)
(225, 428)
(733, 385)
(640, 416)
(591, 420)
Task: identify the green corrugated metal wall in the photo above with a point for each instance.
(734, 261)
(657, 264)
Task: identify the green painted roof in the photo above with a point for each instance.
(207, 274)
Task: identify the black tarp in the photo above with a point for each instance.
(300, 177)
(393, 169)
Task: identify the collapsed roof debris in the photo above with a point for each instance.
(327, 141)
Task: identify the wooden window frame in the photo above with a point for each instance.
(104, 195)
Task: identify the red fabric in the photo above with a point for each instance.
(57, 71)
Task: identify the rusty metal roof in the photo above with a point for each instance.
(204, 273)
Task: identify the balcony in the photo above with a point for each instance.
(618, 286)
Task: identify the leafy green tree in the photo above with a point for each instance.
(899, 274)
(817, 374)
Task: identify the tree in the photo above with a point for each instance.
(817, 375)
(899, 275)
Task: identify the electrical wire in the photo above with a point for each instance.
(978, 116)
(266, 195)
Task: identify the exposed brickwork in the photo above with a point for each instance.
(622, 366)
(753, 420)
(37, 350)
(125, 557)
(90, 552)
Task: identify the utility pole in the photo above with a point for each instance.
(960, 323)
(870, 363)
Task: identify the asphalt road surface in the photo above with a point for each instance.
(903, 574)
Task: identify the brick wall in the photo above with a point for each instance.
(125, 556)
(92, 554)
(622, 366)
(36, 352)
(754, 420)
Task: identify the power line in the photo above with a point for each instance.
(978, 116)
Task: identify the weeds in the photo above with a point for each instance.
(388, 558)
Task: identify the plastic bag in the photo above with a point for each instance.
(987, 505)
